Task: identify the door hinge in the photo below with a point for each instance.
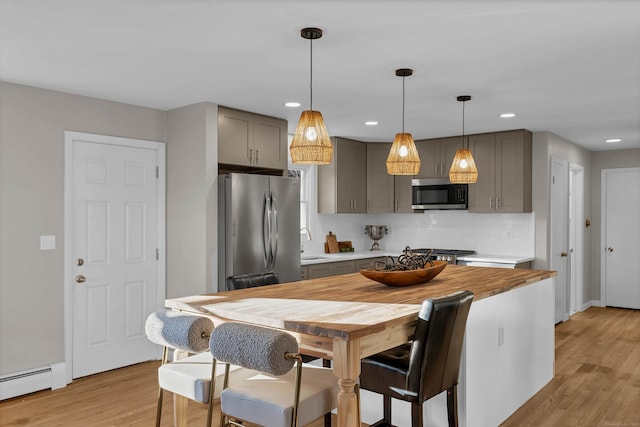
(157, 171)
(157, 254)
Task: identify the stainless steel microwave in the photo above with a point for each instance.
(438, 193)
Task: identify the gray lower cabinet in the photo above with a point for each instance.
(363, 264)
(326, 269)
(331, 269)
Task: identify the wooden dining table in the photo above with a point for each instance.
(346, 318)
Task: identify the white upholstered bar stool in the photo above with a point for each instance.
(278, 396)
(189, 377)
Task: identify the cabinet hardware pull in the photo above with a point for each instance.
(257, 152)
(250, 155)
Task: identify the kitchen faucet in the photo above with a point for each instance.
(304, 230)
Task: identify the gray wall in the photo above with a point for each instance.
(32, 125)
(605, 160)
(192, 214)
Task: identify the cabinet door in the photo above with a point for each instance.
(429, 152)
(448, 148)
(235, 136)
(510, 172)
(482, 193)
(318, 270)
(363, 264)
(351, 180)
(380, 185)
(269, 142)
(342, 267)
(403, 194)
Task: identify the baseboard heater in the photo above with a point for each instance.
(24, 382)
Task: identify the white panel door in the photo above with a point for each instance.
(114, 252)
(621, 237)
(559, 238)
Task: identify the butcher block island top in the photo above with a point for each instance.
(347, 306)
(349, 317)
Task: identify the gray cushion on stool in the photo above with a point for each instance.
(177, 330)
(253, 347)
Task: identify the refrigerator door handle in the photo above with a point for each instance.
(274, 231)
(266, 231)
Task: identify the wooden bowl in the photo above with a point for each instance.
(407, 277)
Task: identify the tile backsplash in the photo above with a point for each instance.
(488, 234)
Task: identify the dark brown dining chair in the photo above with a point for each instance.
(425, 367)
(244, 281)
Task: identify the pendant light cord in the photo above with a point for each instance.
(311, 75)
(463, 144)
(402, 104)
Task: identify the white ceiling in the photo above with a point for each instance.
(569, 67)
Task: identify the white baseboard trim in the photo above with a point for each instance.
(24, 382)
(594, 303)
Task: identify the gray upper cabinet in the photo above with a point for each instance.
(380, 185)
(403, 194)
(342, 184)
(503, 160)
(385, 193)
(436, 156)
(247, 139)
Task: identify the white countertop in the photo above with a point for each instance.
(308, 259)
(500, 259)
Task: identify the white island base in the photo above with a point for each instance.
(508, 356)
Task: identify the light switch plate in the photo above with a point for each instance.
(47, 243)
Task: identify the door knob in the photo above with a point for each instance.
(610, 249)
(79, 262)
(80, 278)
(563, 254)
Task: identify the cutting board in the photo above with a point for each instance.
(332, 243)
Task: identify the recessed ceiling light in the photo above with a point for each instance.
(612, 140)
(292, 104)
(371, 123)
(507, 115)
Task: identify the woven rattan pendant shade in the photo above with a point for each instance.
(463, 168)
(311, 144)
(403, 157)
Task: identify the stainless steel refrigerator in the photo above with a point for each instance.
(259, 226)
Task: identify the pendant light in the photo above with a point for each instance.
(403, 157)
(463, 169)
(311, 144)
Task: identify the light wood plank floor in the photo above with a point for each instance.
(597, 383)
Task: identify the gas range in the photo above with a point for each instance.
(448, 255)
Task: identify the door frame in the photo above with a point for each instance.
(565, 234)
(576, 234)
(603, 228)
(160, 148)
